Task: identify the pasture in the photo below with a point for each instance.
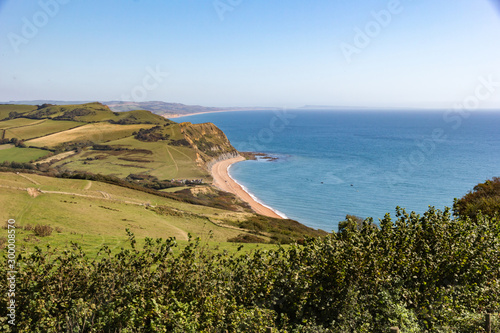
(21, 155)
(96, 132)
(154, 158)
(6, 109)
(94, 213)
(38, 128)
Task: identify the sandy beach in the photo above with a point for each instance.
(226, 183)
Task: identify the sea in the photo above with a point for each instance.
(326, 164)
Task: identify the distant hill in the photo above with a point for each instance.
(88, 112)
(158, 107)
(161, 108)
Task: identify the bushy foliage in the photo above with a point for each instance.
(485, 198)
(43, 230)
(152, 134)
(422, 273)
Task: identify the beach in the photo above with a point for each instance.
(223, 181)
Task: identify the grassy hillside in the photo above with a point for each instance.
(121, 160)
(87, 113)
(21, 155)
(154, 158)
(34, 128)
(138, 142)
(96, 133)
(95, 213)
(7, 109)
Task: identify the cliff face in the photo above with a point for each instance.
(210, 142)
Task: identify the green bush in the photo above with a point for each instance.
(430, 273)
(484, 198)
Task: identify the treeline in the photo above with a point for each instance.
(15, 141)
(430, 273)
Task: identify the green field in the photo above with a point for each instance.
(96, 132)
(18, 122)
(6, 109)
(154, 158)
(21, 155)
(35, 128)
(95, 213)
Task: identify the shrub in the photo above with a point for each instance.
(430, 273)
(484, 198)
(43, 230)
(28, 227)
(246, 238)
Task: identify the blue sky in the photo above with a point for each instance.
(427, 53)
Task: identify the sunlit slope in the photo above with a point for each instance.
(95, 133)
(102, 210)
(111, 143)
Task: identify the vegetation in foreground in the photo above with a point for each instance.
(430, 273)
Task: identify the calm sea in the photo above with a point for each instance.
(364, 163)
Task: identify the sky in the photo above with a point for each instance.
(373, 53)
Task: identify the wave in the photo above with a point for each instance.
(283, 215)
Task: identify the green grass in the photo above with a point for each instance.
(21, 155)
(96, 220)
(5, 109)
(97, 133)
(174, 189)
(19, 122)
(39, 128)
(164, 161)
(96, 112)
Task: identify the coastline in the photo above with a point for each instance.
(177, 115)
(223, 181)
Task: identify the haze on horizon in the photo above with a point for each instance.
(379, 53)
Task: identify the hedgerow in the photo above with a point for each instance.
(430, 273)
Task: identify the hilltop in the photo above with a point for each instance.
(157, 107)
(111, 143)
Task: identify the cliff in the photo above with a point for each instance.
(211, 144)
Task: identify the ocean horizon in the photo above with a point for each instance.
(330, 163)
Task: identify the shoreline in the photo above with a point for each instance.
(222, 180)
(177, 115)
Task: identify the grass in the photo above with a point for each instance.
(164, 161)
(5, 109)
(19, 122)
(97, 133)
(21, 155)
(96, 112)
(39, 128)
(96, 220)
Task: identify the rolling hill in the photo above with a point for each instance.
(89, 173)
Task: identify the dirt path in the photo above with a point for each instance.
(180, 152)
(173, 160)
(106, 197)
(89, 184)
(28, 178)
(36, 192)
